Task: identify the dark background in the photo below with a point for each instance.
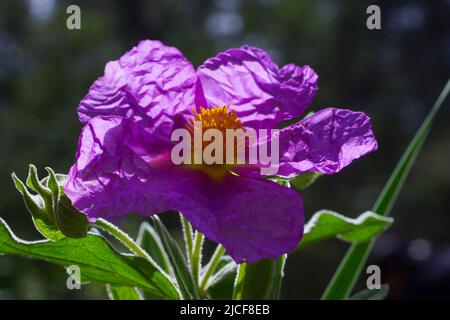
(393, 74)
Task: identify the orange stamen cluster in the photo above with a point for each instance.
(215, 118)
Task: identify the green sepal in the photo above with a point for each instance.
(51, 210)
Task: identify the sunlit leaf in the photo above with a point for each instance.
(178, 261)
(260, 280)
(327, 224)
(96, 258)
(150, 241)
(221, 284)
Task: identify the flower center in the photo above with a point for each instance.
(219, 118)
(216, 118)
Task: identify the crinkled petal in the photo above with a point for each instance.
(325, 142)
(252, 218)
(109, 179)
(151, 80)
(261, 93)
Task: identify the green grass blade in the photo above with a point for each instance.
(351, 265)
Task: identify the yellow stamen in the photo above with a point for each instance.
(215, 118)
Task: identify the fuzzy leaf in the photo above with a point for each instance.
(150, 241)
(178, 261)
(221, 284)
(96, 258)
(327, 224)
(260, 280)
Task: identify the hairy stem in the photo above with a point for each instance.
(187, 234)
(122, 237)
(211, 267)
(196, 255)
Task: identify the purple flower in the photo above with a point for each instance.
(123, 161)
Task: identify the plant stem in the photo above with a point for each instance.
(196, 255)
(122, 237)
(211, 267)
(187, 233)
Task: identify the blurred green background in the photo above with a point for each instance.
(393, 74)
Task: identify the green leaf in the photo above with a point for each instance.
(123, 293)
(260, 280)
(283, 182)
(223, 262)
(278, 274)
(150, 241)
(178, 262)
(304, 180)
(299, 182)
(344, 279)
(372, 294)
(327, 224)
(96, 258)
(220, 286)
(43, 220)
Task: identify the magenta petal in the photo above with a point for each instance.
(151, 79)
(261, 93)
(325, 142)
(252, 218)
(109, 179)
